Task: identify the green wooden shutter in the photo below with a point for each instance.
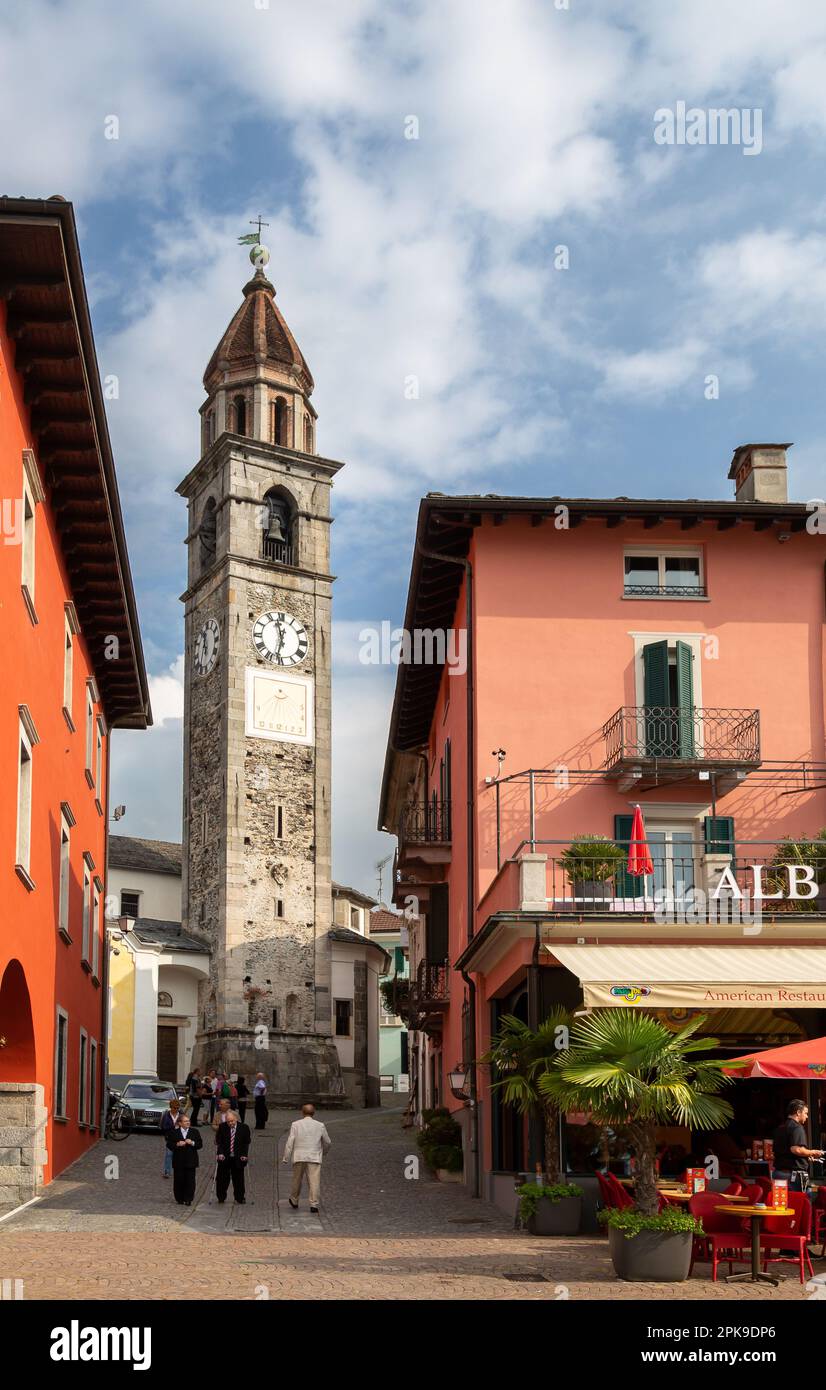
(656, 696)
(625, 884)
(437, 934)
(398, 960)
(719, 834)
(685, 700)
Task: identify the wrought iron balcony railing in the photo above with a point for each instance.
(773, 877)
(664, 590)
(638, 733)
(429, 994)
(425, 822)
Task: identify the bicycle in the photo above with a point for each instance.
(119, 1119)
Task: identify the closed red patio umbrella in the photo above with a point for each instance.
(639, 855)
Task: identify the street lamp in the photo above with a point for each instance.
(458, 1081)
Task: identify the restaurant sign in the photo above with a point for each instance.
(698, 994)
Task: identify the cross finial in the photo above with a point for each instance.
(258, 222)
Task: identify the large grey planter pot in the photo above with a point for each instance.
(556, 1218)
(598, 891)
(660, 1257)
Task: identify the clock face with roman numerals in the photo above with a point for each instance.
(280, 639)
(207, 645)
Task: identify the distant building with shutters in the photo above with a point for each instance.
(598, 654)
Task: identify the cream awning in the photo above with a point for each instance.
(698, 977)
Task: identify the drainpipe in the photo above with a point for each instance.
(470, 771)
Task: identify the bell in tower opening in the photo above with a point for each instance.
(257, 865)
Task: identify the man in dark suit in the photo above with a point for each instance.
(185, 1141)
(232, 1143)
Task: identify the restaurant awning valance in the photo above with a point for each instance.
(698, 977)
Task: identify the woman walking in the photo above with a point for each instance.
(241, 1095)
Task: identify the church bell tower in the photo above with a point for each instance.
(256, 862)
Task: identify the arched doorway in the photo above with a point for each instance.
(22, 1107)
(17, 1056)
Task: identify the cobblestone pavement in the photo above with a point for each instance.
(379, 1235)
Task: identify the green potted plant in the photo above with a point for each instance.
(440, 1140)
(589, 862)
(518, 1058)
(628, 1070)
(811, 851)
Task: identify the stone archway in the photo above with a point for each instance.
(22, 1108)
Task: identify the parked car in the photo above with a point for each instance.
(147, 1099)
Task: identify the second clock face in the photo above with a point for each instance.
(280, 639)
(207, 644)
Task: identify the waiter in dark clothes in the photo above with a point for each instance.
(791, 1152)
(185, 1141)
(232, 1142)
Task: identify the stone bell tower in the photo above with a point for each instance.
(256, 863)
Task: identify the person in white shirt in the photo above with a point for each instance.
(307, 1144)
(259, 1092)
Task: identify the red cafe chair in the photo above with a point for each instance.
(725, 1238)
(789, 1234)
(819, 1220)
(621, 1197)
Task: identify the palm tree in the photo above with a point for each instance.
(629, 1070)
(519, 1058)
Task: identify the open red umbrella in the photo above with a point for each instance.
(801, 1061)
(639, 855)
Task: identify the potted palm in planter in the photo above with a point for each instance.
(630, 1071)
(519, 1057)
(590, 861)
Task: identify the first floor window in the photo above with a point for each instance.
(65, 877)
(93, 1083)
(82, 1090)
(664, 574)
(24, 798)
(87, 916)
(344, 1016)
(61, 1052)
(95, 927)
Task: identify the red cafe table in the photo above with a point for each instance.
(756, 1215)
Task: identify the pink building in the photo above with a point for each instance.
(618, 652)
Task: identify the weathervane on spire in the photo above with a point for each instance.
(259, 253)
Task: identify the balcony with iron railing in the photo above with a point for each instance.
(695, 880)
(646, 745)
(429, 996)
(424, 834)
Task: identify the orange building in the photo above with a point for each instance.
(72, 664)
(618, 652)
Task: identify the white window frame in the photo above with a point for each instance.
(82, 1078)
(93, 1089)
(32, 494)
(71, 628)
(61, 1073)
(91, 698)
(97, 891)
(661, 554)
(67, 820)
(87, 915)
(100, 734)
(26, 740)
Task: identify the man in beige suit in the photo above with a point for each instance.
(306, 1146)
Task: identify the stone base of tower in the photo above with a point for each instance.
(300, 1067)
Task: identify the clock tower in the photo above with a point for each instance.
(256, 862)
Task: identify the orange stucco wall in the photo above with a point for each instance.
(32, 663)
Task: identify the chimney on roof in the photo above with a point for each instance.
(759, 472)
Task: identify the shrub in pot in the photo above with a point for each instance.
(589, 862)
(646, 1249)
(630, 1071)
(440, 1141)
(550, 1209)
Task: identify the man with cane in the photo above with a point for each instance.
(232, 1143)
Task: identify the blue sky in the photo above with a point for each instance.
(434, 258)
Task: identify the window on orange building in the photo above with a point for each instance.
(99, 730)
(26, 739)
(95, 927)
(663, 573)
(90, 733)
(65, 877)
(87, 916)
(60, 1056)
(82, 1087)
(93, 1083)
(70, 629)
